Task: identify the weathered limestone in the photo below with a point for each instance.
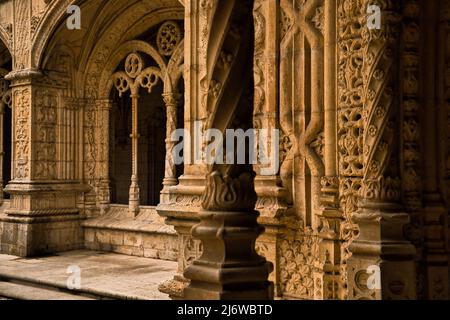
(43, 216)
(229, 267)
(362, 112)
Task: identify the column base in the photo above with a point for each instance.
(382, 263)
(37, 236)
(229, 267)
(43, 218)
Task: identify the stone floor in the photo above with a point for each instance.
(107, 275)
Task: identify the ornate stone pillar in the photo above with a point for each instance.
(435, 213)
(43, 215)
(229, 267)
(170, 177)
(381, 265)
(328, 284)
(104, 110)
(134, 187)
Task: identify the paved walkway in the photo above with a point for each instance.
(109, 274)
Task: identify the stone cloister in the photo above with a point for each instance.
(363, 186)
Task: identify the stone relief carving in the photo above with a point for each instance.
(45, 105)
(365, 123)
(22, 35)
(350, 120)
(21, 134)
(298, 260)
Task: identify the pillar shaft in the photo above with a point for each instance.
(170, 177)
(381, 265)
(134, 187)
(229, 267)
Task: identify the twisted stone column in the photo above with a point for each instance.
(134, 187)
(171, 101)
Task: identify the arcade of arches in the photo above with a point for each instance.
(363, 184)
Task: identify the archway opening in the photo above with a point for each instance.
(147, 104)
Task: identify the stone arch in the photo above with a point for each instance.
(54, 18)
(95, 62)
(132, 31)
(47, 26)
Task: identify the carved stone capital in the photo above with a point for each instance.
(224, 192)
(23, 77)
(171, 99)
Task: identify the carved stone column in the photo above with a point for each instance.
(134, 187)
(381, 251)
(272, 191)
(229, 267)
(43, 216)
(104, 110)
(328, 284)
(170, 177)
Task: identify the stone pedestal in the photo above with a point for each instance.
(229, 267)
(381, 266)
(180, 209)
(42, 219)
(43, 216)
